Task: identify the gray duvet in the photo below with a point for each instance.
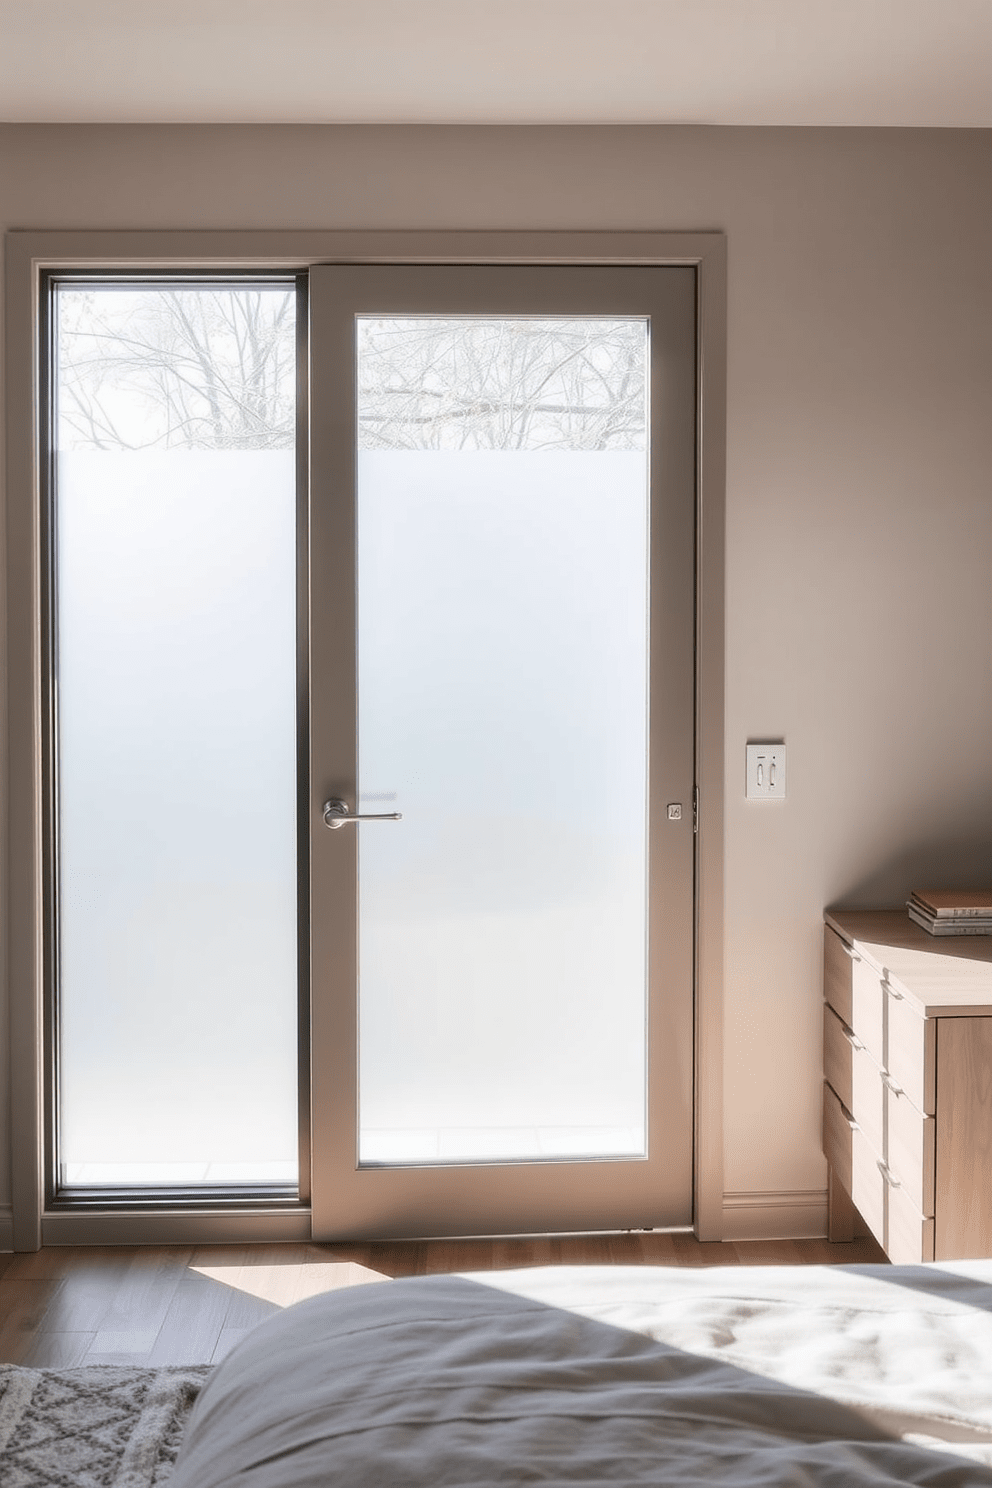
(833, 1376)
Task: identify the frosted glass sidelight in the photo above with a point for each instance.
(503, 709)
(176, 681)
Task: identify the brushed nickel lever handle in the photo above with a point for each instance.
(337, 813)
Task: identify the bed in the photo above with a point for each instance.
(837, 1376)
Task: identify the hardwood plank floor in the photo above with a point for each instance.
(161, 1304)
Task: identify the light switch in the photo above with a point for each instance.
(765, 772)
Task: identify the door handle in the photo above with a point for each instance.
(337, 814)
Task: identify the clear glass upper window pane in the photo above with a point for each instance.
(523, 384)
(176, 367)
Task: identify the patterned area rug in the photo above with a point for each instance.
(102, 1426)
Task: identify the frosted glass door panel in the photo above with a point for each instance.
(502, 621)
(177, 900)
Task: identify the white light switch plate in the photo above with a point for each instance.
(765, 772)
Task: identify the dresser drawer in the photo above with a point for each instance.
(854, 990)
(854, 1076)
(893, 1126)
(885, 1203)
(909, 1234)
(856, 1164)
(911, 1051)
(911, 1150)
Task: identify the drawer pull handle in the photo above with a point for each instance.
(852, 1038)
(890, 1084)
(849, 951)
(888, 1174)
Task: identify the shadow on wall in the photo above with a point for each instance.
(951, 863)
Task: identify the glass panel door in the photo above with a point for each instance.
(174, 610)
(503, 498)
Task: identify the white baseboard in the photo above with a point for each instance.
(796, 1214)
(6, 1227)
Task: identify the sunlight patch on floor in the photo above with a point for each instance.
(284, 1285)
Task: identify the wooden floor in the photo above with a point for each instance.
(70, 1305)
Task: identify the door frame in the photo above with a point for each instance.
(25, 1225)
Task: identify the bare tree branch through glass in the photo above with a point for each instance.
(214, 367)
(177, 368)
(506, 384)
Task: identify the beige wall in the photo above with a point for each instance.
(859, 498)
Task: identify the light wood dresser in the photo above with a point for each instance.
(907, 1093)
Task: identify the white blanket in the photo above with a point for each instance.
(829, 1376)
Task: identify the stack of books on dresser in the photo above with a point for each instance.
(952, 911)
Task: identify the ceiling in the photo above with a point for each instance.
(759, 62)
